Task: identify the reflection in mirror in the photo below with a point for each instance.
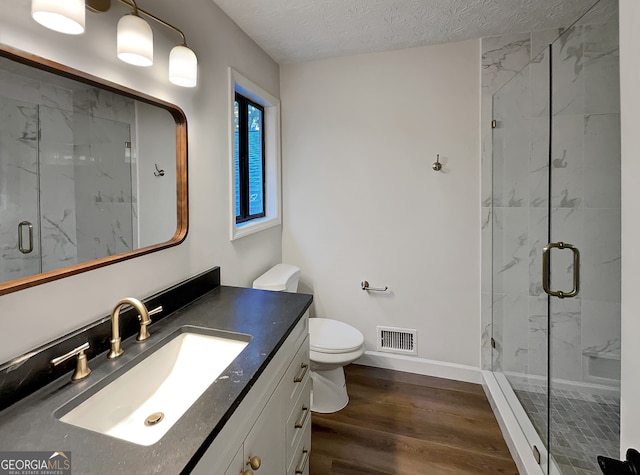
(90, 173)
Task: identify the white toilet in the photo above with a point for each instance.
(333, 344)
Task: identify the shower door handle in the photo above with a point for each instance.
(546, 270)
(29, 227)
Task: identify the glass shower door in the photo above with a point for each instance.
(19, 213)
(556, 245)
(67, 189)
(584, 341)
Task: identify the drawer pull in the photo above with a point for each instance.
(303, 418)
(303, 370)
(303, 462)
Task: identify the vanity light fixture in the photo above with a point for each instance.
(134, 35)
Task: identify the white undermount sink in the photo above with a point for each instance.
(162, 386)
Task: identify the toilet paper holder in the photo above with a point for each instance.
(365, 286)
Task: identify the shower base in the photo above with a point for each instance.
(583, 426)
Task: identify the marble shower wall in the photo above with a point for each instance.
(84, 191)
(57, 180)
(585, 333)
(111, 184)
(103, 189)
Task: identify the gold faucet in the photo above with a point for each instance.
(144, 317)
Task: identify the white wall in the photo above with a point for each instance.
(34, 316)
(630, 122)
(361, 200)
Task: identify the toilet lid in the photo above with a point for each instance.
(332, 336)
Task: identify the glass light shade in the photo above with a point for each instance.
(64, 16)
(183, 67)
(135, 41)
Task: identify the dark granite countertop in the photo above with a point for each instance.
(30, 424)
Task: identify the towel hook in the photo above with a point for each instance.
(437, 166)
(158, 171)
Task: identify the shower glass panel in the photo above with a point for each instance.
(556, 186)
(520, 222)
(585, 211)
(19, 213)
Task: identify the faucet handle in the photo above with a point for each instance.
(156, 310)
(82, 368)
(144, 332)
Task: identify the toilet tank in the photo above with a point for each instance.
(280, 278)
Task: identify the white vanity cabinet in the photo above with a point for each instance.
(273, 422)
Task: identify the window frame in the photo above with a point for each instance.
(243, 159)
(271, 157)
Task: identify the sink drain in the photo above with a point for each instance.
(154, 419)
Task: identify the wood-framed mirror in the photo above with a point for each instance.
(91, 173)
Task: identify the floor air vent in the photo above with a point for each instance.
(398, 340)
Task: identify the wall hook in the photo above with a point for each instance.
(437, 166)
(158, 171)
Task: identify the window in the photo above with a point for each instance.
(248, 159)
(254, 157)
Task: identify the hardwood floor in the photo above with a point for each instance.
(402, 423)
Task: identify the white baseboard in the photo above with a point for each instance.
(412, 364)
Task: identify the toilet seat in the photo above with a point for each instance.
(333, 337)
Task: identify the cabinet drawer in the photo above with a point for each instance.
(297, 375)
(300, 465)
(297, 421)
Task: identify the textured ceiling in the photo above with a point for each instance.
(294, 31)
